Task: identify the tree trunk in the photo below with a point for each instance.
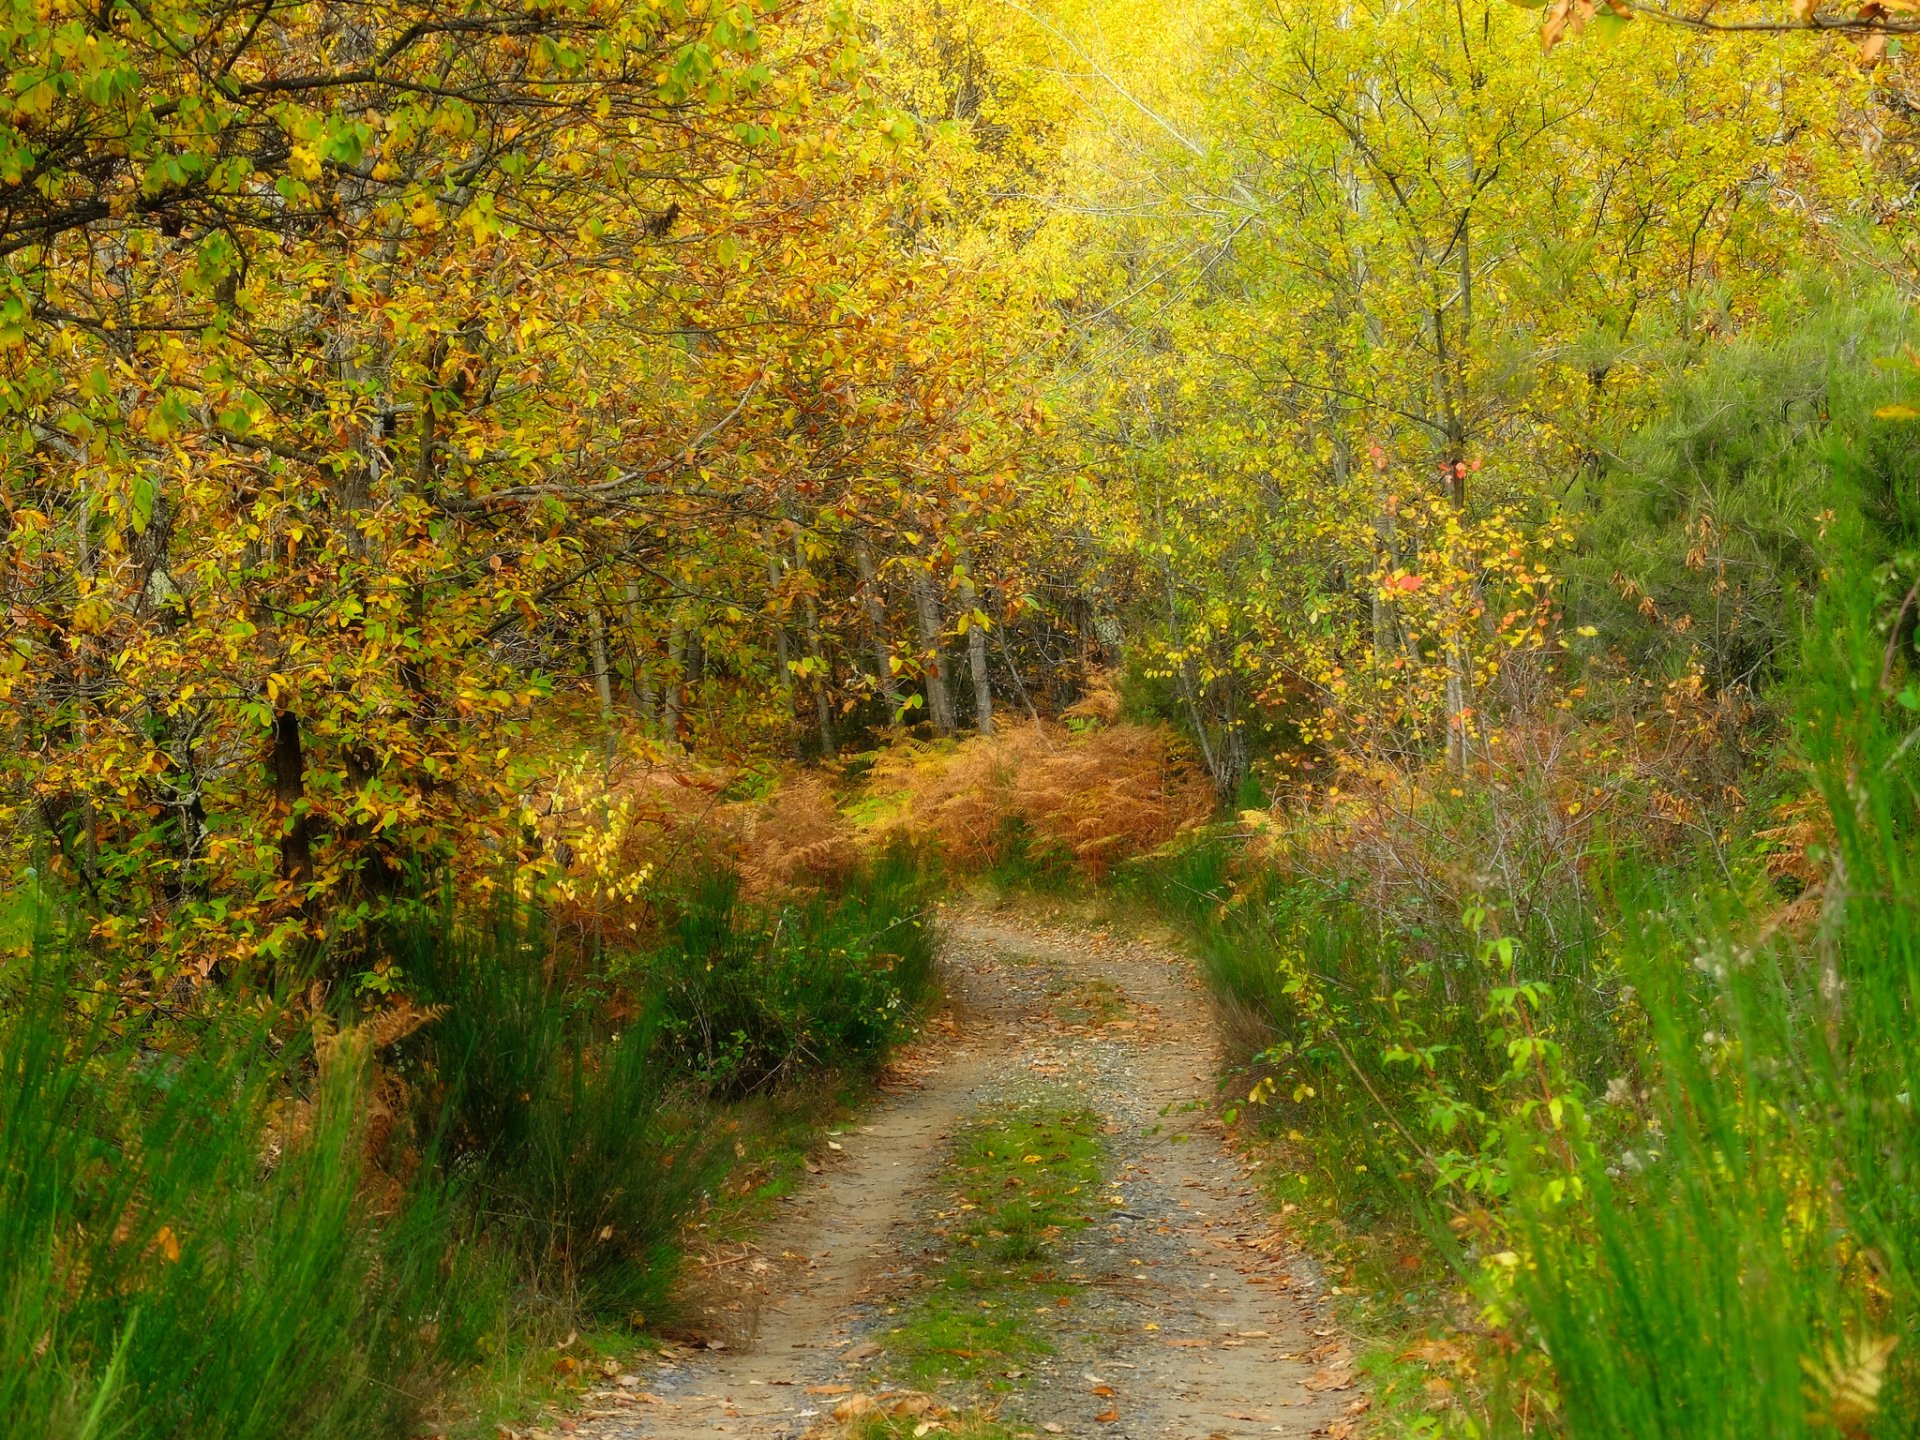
(939, 699)
(817, 653)
(676, 683)
(782, 645)
(977, 657)
(289, 788)
(874, 604)
(602, 680)
(646, 700)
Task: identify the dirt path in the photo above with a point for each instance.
(1192, 1320)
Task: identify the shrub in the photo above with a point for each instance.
(754, 993)
(1666, 1117)
(241, 1219)
(1092, 798)
(558, 1130)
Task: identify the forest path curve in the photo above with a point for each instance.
(1193, 1318)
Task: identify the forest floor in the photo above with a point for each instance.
(1120, 1278)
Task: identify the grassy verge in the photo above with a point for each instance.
(1612, 1147)
(444, 1201)
(1024, 1178)
(909, 1427)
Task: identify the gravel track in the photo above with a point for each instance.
(1193, 1319)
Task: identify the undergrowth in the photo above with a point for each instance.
(228, 1215)
(1615, 1147)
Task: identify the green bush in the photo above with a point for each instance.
(561, 1135)
(1707, 532)
(751, 995)
(1679, 1126)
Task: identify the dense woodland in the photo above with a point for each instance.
(542, 535)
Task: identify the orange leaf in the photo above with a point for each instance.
(1555, 24)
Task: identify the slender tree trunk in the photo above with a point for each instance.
(977, 657)
(1183, 674)
(289, 788)
(782, 644)
(817, 653)
(874, 604)
(676, 682)
(1458, 689)
(927, 608)
(645, 699)
(602, 679)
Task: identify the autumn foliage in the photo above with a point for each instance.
(1094, 798)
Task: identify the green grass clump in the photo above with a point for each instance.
(565, 1136)
(1744, 1261)
(231, 1216)
(183, 1251)
(1023, 1178)
(754, 996)
(913, 1427)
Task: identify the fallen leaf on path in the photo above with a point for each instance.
(854, 1406)
(1103, 1391)
(828, 1389)
(1053, 1429)
(1190, 1344)
(1107, 1417)
(1328, 1380)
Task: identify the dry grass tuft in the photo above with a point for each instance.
(797, 839)
(1093, 797)
(1097, 797)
